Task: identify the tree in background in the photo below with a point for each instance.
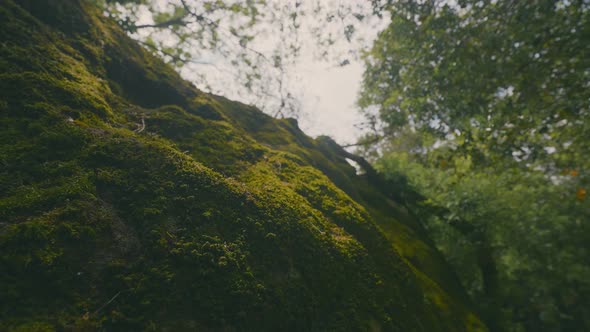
(485, 107)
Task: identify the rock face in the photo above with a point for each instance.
(131, 201)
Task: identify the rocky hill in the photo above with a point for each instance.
(131, 201)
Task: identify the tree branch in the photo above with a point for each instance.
(374, 140)
(173, 21)
(175, 57)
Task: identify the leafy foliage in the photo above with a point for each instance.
(483, 107)
(535, 229)
(491, 79)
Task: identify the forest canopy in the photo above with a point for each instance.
(484, 107)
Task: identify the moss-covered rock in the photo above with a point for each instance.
(130, 201)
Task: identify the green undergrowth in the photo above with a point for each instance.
(130, 201)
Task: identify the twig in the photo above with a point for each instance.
(141, 127)
(174, 21)
(376, 139)
(107, 303)
(175, 57)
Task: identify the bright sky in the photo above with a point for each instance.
(329, 100)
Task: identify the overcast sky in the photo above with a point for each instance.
(329, 100)
(327, 94)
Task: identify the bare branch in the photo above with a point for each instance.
(372, 141)
(175, 57)
(179, 21)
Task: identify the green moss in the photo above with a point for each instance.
(131, 201)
